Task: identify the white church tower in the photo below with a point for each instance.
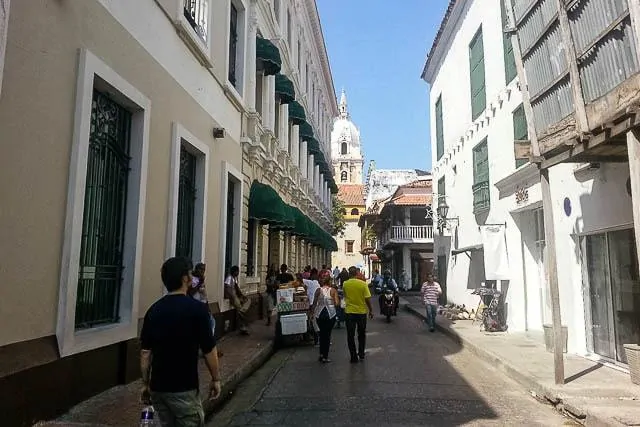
(348, 163)
(345, 147)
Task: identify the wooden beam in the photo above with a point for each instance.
(574, 74)
(526, 100)
(552, 277)
(633, 148)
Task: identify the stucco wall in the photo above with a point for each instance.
(36, 126)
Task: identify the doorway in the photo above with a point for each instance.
(613, 293)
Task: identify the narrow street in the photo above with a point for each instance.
(410, 378)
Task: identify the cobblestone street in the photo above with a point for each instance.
(410, 377)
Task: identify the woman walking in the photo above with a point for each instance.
(324, 310)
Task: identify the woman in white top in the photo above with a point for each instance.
(324, 306)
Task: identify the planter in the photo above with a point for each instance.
(548, 338)
(632, 351)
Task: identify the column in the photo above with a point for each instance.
(295, 144)
(4, 28)
(310, 161)
(406, 264)
(303, 159)
(269, 109)
(250, 58)
(320, 186)
(633, 148)
(283, 134)
(326, 194)
(317, 179)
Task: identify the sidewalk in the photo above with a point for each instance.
(595, 394)
(119, 406)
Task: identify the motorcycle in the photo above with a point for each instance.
(388, 304)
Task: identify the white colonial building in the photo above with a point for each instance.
(477, 120)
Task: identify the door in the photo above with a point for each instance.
(614, 292)
(600, 295)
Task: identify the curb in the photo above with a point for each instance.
(232, 383)
(529, 382)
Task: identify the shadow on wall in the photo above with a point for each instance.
(608, 204)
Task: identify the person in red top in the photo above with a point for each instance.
(431, 291)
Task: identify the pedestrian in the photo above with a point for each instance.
(174, 328)
(357, 305)
(311, 285)
(324, 306)
(238, 300)
(269, 296)
(431, 291)
(285, 276)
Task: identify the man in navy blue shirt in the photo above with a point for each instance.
(175, 328)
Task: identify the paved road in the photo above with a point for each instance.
(410, 378)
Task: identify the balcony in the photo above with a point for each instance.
(481, 199)
(196, 13)
(408, 234)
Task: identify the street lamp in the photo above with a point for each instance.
(443, 211)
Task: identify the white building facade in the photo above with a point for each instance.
(477, 119)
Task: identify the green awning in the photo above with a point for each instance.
(306, 131)
(296, 113)
(266, 205)
(284, 88)
(289, 222)
(301, 227)
(269, 56)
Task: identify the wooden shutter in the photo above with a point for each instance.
(520, 131)
(477, 77)
(439, 129)
(481, 162)
(510, 71)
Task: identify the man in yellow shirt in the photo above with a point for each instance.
(357, 304)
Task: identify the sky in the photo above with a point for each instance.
(377, 49)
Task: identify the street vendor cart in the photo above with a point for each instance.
(292, 306)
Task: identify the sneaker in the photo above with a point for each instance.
(361, 356)
(354, 360)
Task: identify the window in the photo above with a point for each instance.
(344, 165)
(355, 211)
(343, 148)
(481, 201)
(233, 44)
(476, 63)
(439, 129)
(252, 226)
(196, 12)
(100, 267)
(187, 204)
(348, 246)
(289, 32)
(343, 176)
(441, 189)
(276, 9)
(520, 131)
(103, 222)
(231, 217)
(509, 59)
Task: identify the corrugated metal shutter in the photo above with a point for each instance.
(439, 129)
(520, 130)
(476, 63)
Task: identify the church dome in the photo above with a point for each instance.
(345, 136)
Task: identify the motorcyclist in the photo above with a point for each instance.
(389, 283)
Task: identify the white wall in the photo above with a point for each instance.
(598, 197)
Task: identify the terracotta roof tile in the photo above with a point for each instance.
(351, 194)
(412, 200)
